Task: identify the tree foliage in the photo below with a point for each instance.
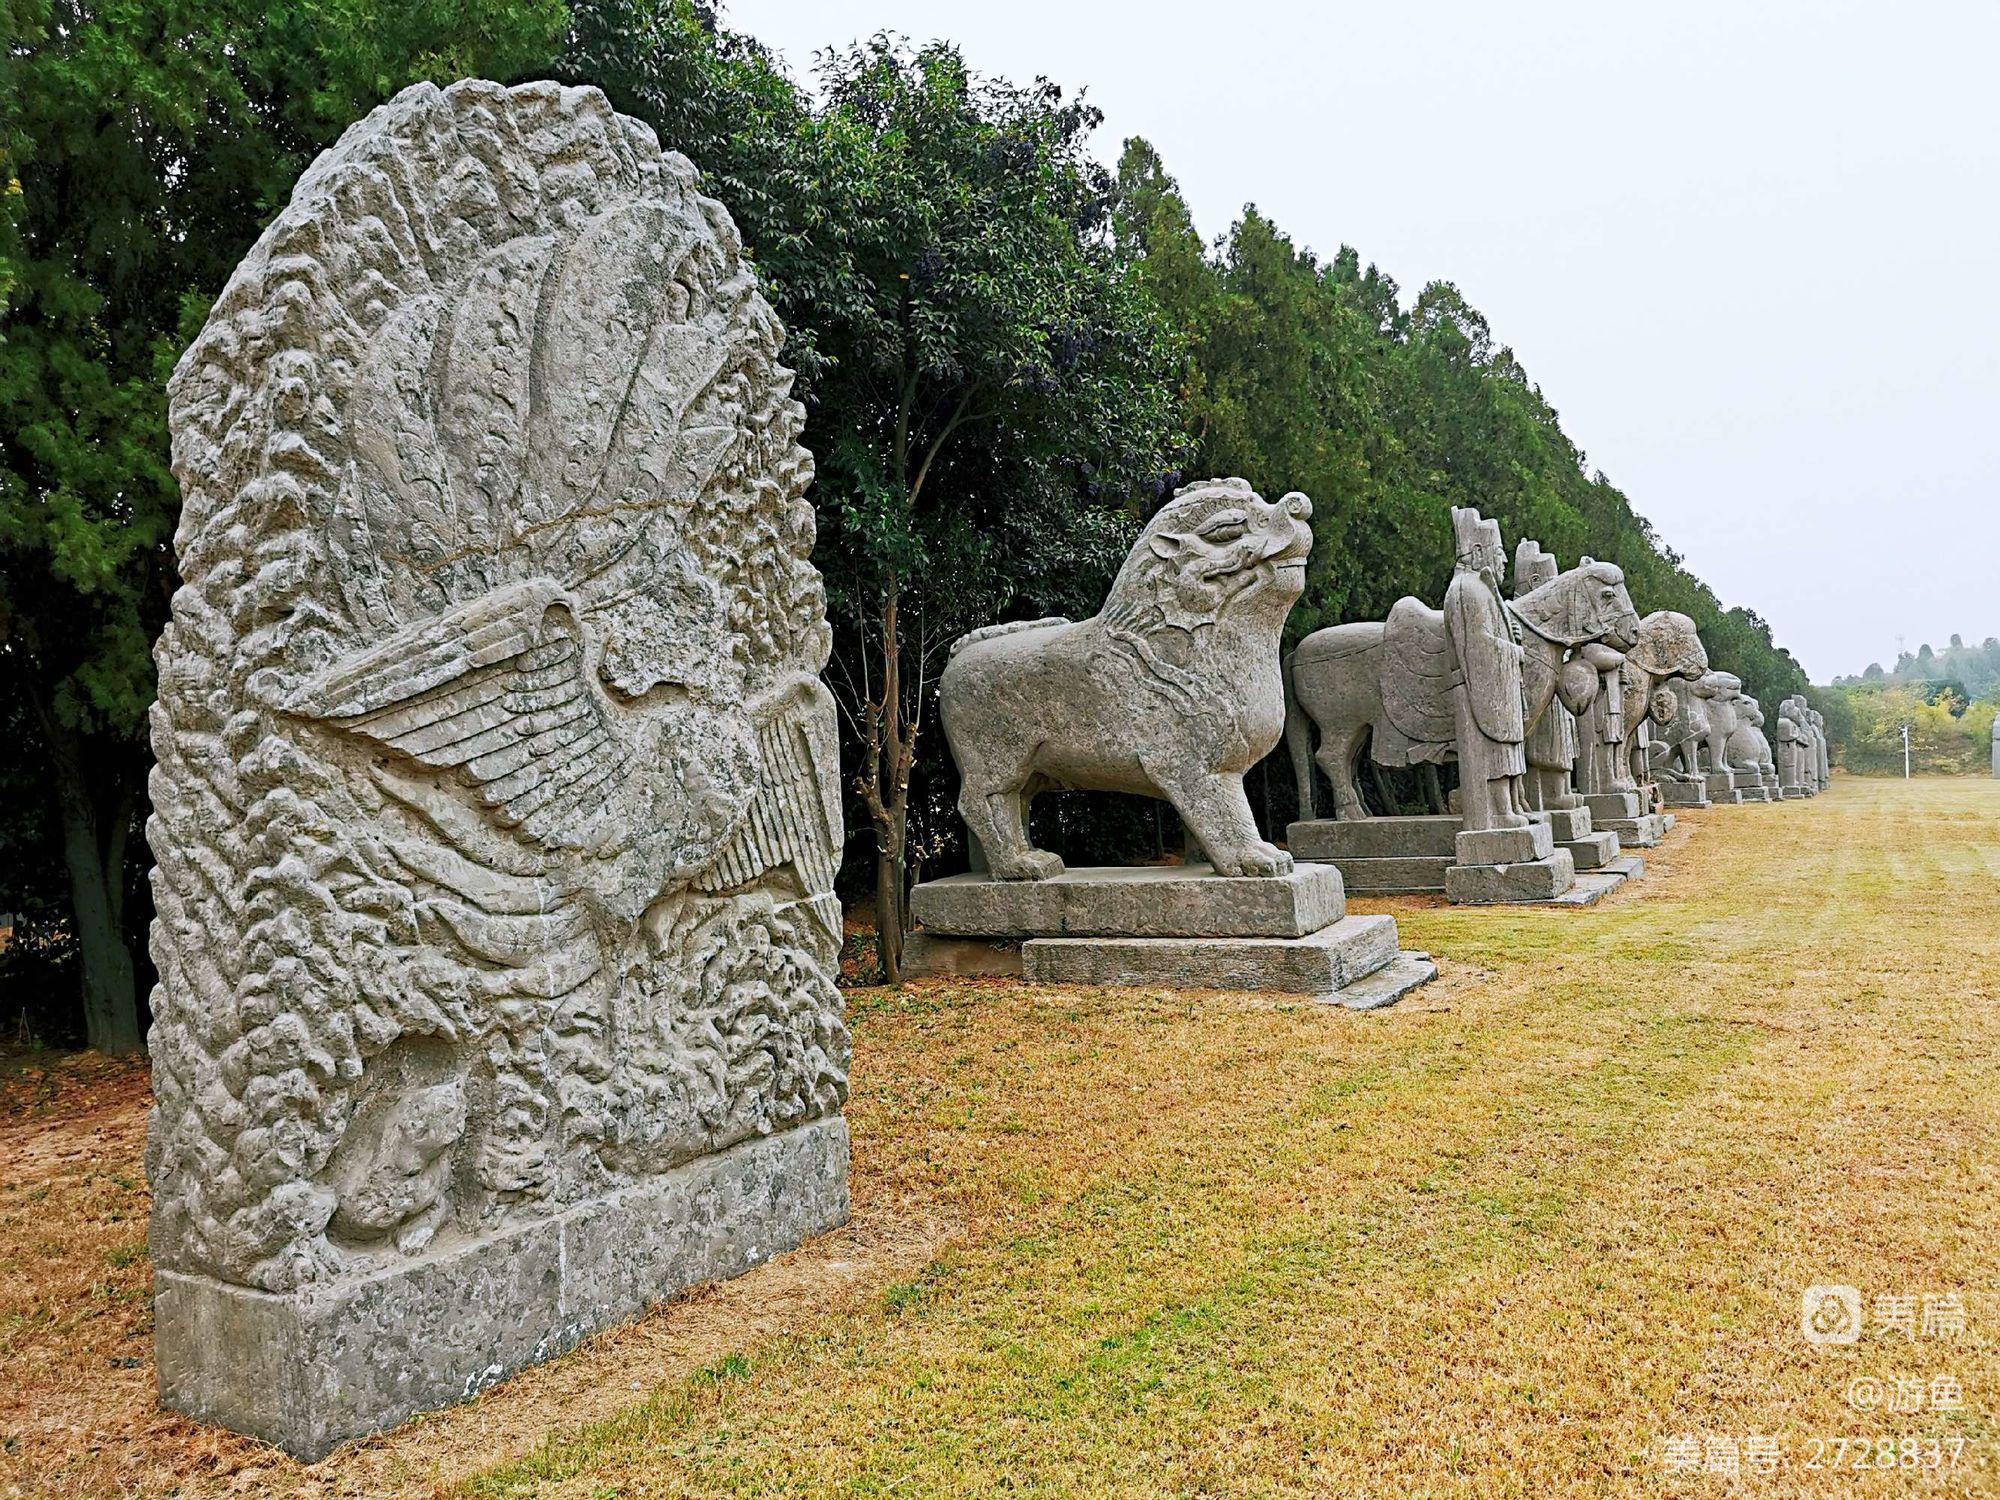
(146, 143)
(1314, 374)
(1007, 355)
(1950, 735)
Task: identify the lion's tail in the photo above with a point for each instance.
(988, 632)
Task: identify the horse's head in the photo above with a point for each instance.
(1669, 646)
(1588, 603)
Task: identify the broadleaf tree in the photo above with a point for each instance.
(143, 146)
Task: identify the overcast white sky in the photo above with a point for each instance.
(1748, 250)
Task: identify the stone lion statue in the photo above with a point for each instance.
(1172, 690)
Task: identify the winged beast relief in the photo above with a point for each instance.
(497, 802)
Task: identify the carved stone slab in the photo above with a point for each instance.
(496, 808)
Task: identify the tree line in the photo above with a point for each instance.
(1009, 354)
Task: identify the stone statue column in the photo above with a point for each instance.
(1486, 685)
(1552, 741)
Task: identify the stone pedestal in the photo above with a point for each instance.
(1410, 856)
(1590, 848)
(1508, 865)
(310, 1369)
(1134, 901)
(1721, 786)
(1751, 787)
(1170, 926)
(1546, 879)
(1624, 814)
(1684, 794)
(1380, 856)
(1609, 807)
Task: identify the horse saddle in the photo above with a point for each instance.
(1416, 723)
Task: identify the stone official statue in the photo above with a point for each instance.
(1795, 746)
(1486, 679)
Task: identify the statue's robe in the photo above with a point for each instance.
(1486, 692)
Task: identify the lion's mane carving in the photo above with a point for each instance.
(496, 806)
(1172, 690)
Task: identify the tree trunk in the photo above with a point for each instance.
(95, 856)
(889, 746)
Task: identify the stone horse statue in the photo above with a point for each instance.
(1387, 683)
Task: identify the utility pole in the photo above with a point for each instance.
(1906, 750)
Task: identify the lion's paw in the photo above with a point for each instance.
(1036, 864)
(1257, 859)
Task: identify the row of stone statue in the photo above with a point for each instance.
(1559, 705)
(1557, 693)
(497, 807)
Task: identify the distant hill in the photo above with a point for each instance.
(1976, 669)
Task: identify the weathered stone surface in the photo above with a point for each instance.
(928, 955)
(1567, 823)
(497, 803)
(1142, 901)
(1608, 807)
(1392, 875)
(1172, 690)
(1642, 832)
(1371, 838)
(310, 1369)
(1320, 964)
(1500, 846)
(1685, 794)
(1593, 851)
(1405, 972)
(1542, 879)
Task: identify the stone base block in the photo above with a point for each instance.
(1684, 794)
(1504, 846)
(310, 1369)
(927, 955)
(1568, 823)
(1418, 874)
(1721, 786)
(1322, 964)
(1139, 901)
(1380, 856)
(1755, 794)
(1591, 852)
(1388, 984)
(1373, 838)
(1542, 879)
(1641, 832)
(1606, 807)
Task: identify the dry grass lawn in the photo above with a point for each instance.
(1510, 1237)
